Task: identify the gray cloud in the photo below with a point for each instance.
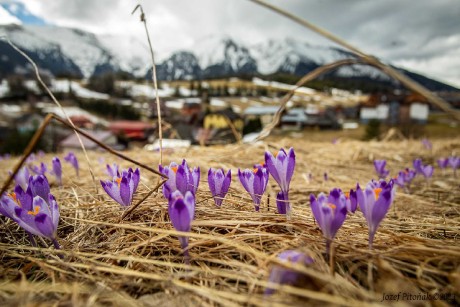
(420, 34)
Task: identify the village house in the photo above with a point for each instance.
(395, 108)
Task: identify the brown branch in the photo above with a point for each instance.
(308, 77)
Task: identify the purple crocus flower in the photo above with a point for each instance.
(400, 180)
(427, 144)
(443, 163)
(379, 166)
(72, 159)
(181, 178)
(181, 209)
(219, 184)
(254, 182)
(425, 170)
(122, 188)
(454, 162)
(35, 209)
(57, 170)
(281, 167)
(374, 202)
(112, 170)
(409, 175)
(39, 170)
(22, 177)
(282, 276)
(330, 213)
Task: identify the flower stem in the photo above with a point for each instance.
(371, 239)
(328, 248)
(56, 244)
(32, 239)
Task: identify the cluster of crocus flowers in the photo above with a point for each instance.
(254, 182)
(72, 159)
(219, 183)
(380, 168)
(404, 178)
(281, 166)
(181, 178)
(181, 209)
(330, 212)
(35, 209)
(284, 276)
(425, 170)
(375, 201)
(57, 170)
(123, 186)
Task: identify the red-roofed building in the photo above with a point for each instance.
(133, 130)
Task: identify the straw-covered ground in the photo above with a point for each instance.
(138, 261)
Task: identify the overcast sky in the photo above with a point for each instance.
(422, 35)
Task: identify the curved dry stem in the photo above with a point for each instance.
(406, 81)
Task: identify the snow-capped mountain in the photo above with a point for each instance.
(220, 56)
(181, 65)
(79, 53)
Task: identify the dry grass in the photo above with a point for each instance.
(138, 261)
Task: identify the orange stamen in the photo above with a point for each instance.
(118, 180)
(276, 154)
(262, 164)
(255, 169)
(35, 212)
(332, 206)
(174, 168)
(347, 195)
(15, 198)
(377, 192)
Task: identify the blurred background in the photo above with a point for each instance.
(223, 67)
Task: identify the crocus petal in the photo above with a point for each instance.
(380, 208)
(270, 162)
(290, 166)
(54, 209)
(113, 190)
(24, 198)
(27, 221)
(181, 179)
(57, 169)
(136, 178)
(45, 225)
(7, 207)
(180, 215)
(125, 193)
(189, 200)
(39, 186)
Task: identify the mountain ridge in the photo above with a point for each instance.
(79, 53)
